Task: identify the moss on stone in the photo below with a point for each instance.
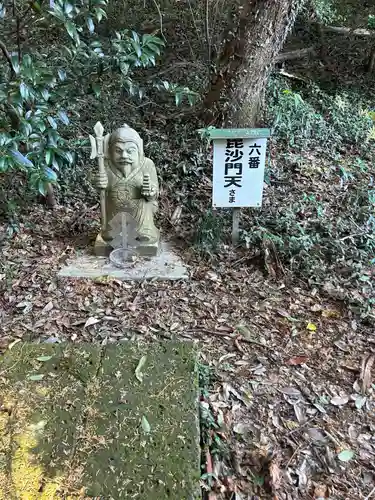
(77, 432)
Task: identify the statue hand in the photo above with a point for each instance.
(148, 192)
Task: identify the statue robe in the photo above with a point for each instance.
(123, 194)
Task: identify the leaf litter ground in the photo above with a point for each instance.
(292, 398)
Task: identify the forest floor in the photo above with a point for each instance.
(291, 396)
(289, 409)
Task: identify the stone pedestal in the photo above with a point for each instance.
(164, 266)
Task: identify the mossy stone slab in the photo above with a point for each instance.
(77, 421)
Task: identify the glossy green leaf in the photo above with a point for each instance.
(24, 90)
(15, 63)
(46, 94)
(64, 117)
(62, 74)
(48, 155)
(178, 98)
(42, 188)
(21, 159)
(52, 122)
(345, 455)
(100, 13)
(71, 29)
(50, 174)
(90, 24)
(96, 89)
(68, 8)
(3, 164)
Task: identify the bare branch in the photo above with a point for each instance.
(295, 54)
(349, 31)
(4, 50)
(160, 17)
(371, 64)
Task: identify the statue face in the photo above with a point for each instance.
(124, 153)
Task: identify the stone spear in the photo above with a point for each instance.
(97, 151)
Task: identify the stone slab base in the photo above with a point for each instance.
(165, 266)
(79, 421)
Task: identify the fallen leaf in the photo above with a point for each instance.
(228, 389)
(91, 321)
(365, 375)
(44, 358)
(316, 434)
(297, 360)
(38, 376)
(286, 315)
(145, 425)
(339, 400)
(320, 492)
(240, 428)
(316, 308)
(138, 370)
(291, 391)
(26, 305)
(330, 313)
(47, 307)
(300, 414)
(275, 475)
(311, 327)
(345, 455)
(14, 343)
(52, 340)
(360, 401)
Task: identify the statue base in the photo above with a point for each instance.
(103, 248)
(147, 250)
(165, 266)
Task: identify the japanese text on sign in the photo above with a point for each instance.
(238, 172)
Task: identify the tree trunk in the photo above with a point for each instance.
(253, 39)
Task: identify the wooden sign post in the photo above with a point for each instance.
(238, 169)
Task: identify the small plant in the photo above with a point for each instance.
(209, 234)
(371, 22)
(312, 118)
(40, 84)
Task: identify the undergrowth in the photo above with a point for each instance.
(304, 116)
(319, 212)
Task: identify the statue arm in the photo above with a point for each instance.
(102, 181)
(150, 190)
(154, 178)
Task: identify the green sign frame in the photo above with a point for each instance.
(213, 133)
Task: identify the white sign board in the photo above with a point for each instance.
(238, 172)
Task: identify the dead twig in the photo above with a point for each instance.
(348, 31)
(7, 56)
(372, 492)
(160, 17)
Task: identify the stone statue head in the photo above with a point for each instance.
(125, 148)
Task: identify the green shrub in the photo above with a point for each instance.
(309, 117)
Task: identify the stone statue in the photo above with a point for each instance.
(128, 183)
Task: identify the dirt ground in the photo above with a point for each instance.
(292, 395)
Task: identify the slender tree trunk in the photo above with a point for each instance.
(253, 39)
(371, 64)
